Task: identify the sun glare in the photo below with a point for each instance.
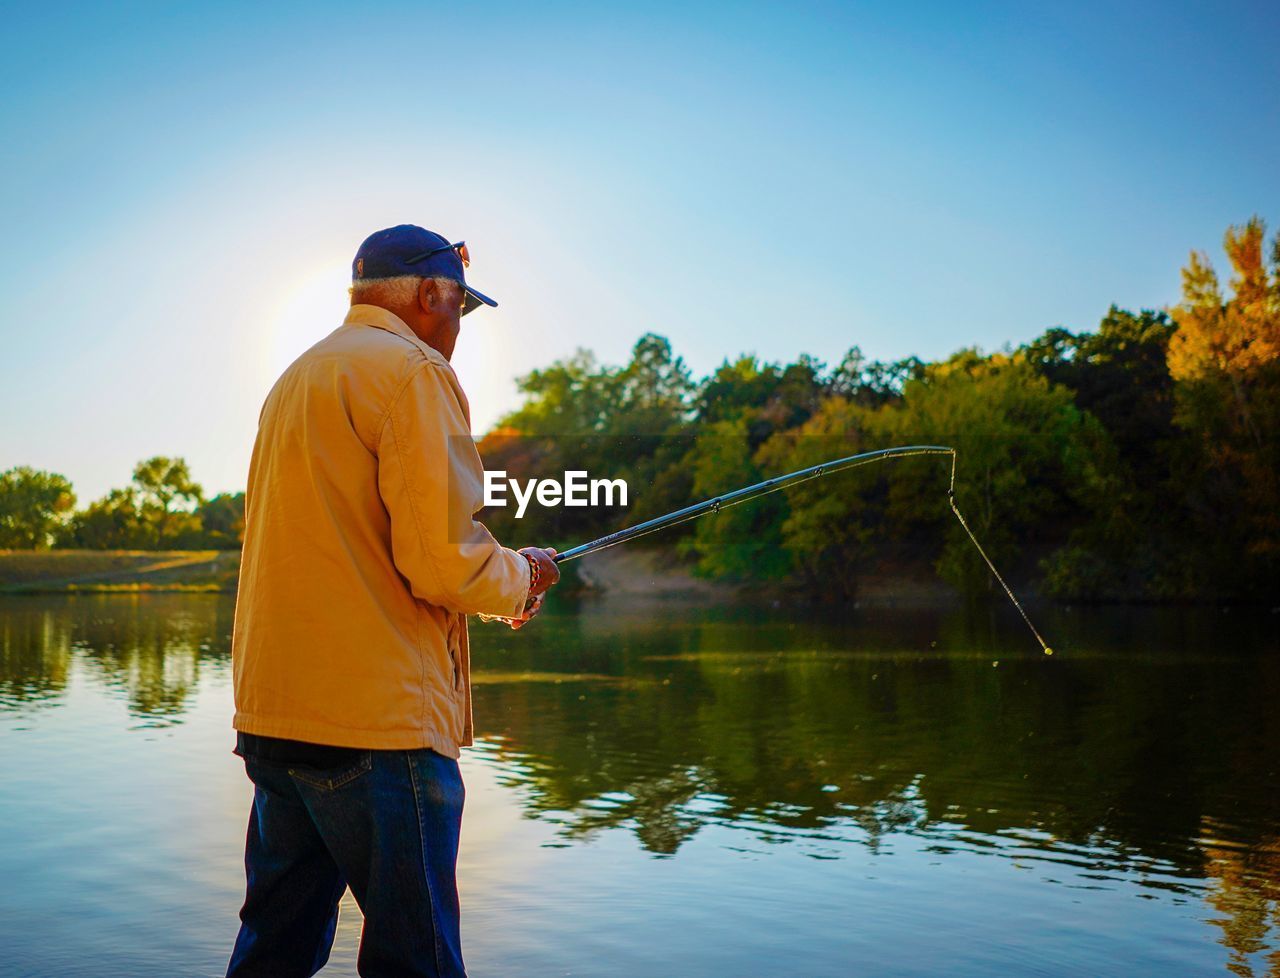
(313, 307)
(314, 304)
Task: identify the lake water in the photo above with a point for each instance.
(662, 789)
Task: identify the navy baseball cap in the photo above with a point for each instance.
(410, 250)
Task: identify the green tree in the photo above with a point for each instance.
(222, 520)
(770, 397)
(167, 500)
(829, 526)
(1119, 374)
(740, 542)
(1122, 543)
(159, 510)
(614, 422)
(1025, 458)
(113, 522)
(736, 389)
(872, 382)
(34, 506)
(572, 396)
(651, 393)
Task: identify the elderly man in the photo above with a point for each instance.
(362, 559)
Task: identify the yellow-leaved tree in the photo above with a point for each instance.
(1225, 359)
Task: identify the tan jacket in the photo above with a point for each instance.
(361, 554)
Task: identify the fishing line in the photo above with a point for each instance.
(951, 498)
(717, 503)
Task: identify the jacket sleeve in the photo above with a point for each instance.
(431, 481)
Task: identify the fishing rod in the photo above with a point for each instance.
(717, 503)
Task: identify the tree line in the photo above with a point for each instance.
(1138, 460)
(162, 508)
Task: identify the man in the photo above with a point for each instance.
(361, 561)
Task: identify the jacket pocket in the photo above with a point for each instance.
(454, 640)
(332, 780)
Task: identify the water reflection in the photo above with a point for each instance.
(35, 651)
(1145, 756)
(148, 648)
(1246, 894)
(1102, 767)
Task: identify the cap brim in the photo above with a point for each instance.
(475, 300)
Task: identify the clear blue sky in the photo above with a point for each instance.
(182, 187)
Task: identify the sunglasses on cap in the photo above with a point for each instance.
(460, 248)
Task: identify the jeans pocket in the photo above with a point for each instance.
(332, 779)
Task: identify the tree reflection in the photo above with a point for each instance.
(150, 648)
(35, 653)
(794, 731)
(1246, 893)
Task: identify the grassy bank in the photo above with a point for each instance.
(38, 571)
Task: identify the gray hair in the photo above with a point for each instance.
(399, 291)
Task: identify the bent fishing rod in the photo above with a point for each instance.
(717, 503)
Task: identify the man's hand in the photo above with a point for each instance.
(530, 611)
(548, 574)
(548, 569)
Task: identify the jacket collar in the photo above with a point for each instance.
(362, 314)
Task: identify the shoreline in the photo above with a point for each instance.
(118, 571)
(647, 575)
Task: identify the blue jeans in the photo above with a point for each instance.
(386, 825)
